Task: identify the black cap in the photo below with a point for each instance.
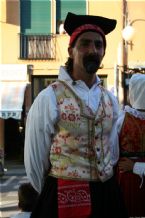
(73, 21)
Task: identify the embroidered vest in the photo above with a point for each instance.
(132, 137)
(80, 148)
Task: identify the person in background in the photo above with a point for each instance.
(131, 130)
(27, 197)
(71, 143)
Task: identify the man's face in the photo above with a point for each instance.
(88, 52)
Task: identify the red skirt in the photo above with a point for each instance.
(133, 194)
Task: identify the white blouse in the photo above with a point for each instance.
(40, 126)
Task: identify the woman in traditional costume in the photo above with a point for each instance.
(131, 166)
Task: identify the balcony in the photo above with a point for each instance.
(37, 47)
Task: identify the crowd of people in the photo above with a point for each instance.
(84, 157)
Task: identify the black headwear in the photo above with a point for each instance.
(73, 21)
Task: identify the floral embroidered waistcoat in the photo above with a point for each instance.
(80, 148)
(132, 137)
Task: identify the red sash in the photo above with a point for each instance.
(73, 199)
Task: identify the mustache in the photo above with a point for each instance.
(91, 63)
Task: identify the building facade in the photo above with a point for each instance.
(33, 45)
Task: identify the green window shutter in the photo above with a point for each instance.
(35, 16)
(65, 6)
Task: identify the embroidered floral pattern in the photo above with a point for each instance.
(132, 137)
(80, 148)
(73, 196)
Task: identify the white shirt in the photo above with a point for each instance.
(41, 121)
(22, 215)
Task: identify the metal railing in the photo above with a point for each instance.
(37, 47)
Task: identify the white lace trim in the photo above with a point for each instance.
(134, 112)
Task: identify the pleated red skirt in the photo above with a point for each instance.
(133, 193)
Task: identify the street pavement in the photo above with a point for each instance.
(9, 183)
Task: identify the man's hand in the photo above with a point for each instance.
(125, 164)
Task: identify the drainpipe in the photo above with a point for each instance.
(122, 58)
(1, 146)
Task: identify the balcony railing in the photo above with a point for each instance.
(37, 47)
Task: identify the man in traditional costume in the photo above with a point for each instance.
(71, 143)
(131, 166)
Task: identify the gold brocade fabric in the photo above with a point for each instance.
(80, 148)
(132, 135)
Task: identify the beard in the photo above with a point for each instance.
(91, 63)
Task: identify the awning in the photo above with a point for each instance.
(11, 99)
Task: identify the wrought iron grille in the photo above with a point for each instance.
(38, 47)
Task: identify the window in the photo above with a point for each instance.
(37, 47)
(103, 79)
(35, 16)
(41, 82)
(36, 41)
(63, 6)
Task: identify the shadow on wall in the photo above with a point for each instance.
(12, 12)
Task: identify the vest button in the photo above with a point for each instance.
(98, 162)
(98, 149)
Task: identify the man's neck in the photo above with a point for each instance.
(89, 79)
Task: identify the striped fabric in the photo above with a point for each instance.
(11, 99)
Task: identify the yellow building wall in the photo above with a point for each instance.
(10, 29)
(10, 47)
(136, 11)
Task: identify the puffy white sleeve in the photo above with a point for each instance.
(139, 168)
(39, 130)
(114, 145)
(120, 121)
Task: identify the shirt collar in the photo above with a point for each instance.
(63, 75)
